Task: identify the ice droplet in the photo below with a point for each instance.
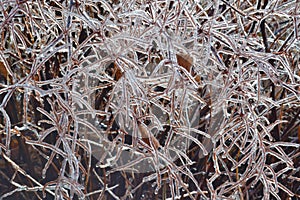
(8, 153)
(28, 50)
(153, 184)
(44, 171)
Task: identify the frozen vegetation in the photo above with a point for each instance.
(159, 99)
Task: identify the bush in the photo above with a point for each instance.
(149, 99)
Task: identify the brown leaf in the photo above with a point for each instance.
(117, 72)
(3, 70)
(147, 137)
(185, 61)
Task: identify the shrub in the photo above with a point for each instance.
(149, 99)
